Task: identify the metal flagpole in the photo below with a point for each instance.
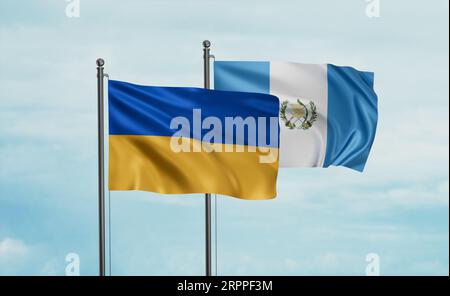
(206, 58)
(101, 168)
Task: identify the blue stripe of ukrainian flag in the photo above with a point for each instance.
(140, 135)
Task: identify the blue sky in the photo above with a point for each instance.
(324, 221)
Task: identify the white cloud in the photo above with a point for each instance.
(20, 258)
(11, 249)
(14, 255)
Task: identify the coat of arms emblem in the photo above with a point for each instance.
(297, 115)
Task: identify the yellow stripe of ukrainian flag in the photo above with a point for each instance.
(148, 163)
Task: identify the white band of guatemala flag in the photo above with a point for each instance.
(328, 114)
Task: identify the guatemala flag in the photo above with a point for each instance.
(328, 114)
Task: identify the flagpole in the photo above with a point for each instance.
(101, 168)
(206, 77)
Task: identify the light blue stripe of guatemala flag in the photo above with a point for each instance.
(149, 111)
(352, 117)
(352, 106)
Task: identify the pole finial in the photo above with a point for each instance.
(206, 44)
(100, 62)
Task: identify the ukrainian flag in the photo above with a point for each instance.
(179, 140)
